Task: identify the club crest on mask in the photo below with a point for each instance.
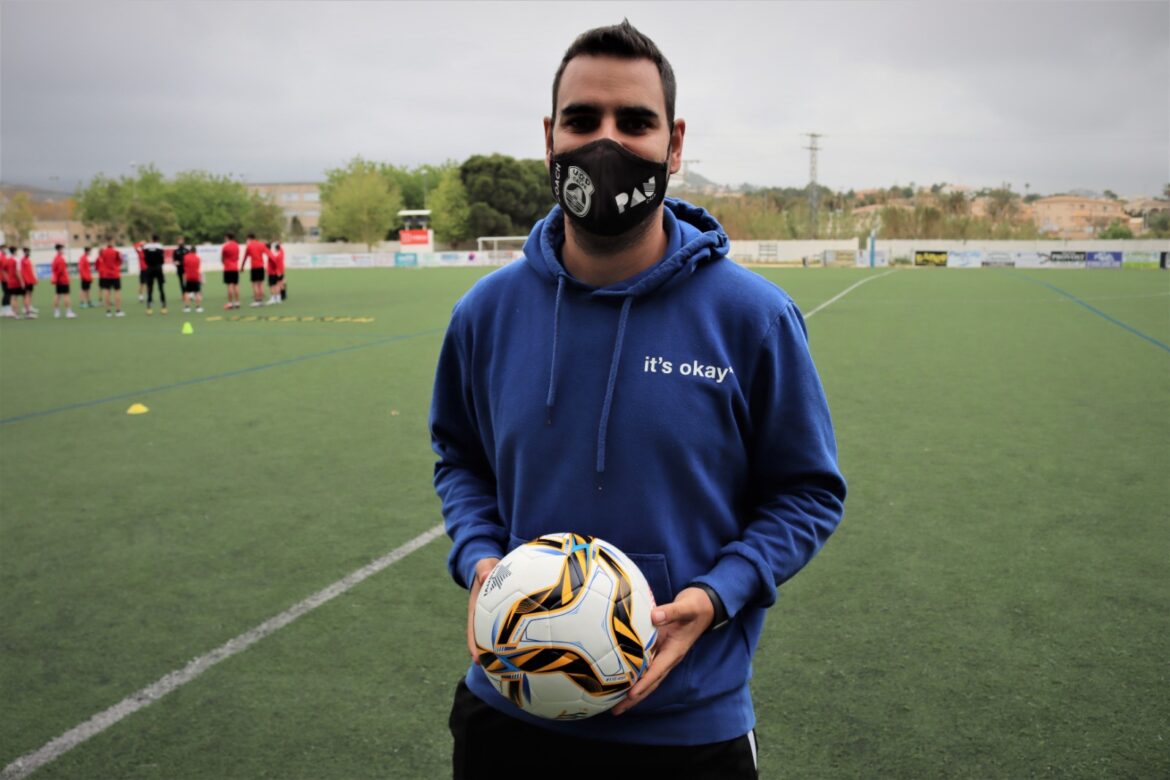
(578, 191)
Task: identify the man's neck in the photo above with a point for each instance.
(599, 265)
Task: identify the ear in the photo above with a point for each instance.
(547, 142)
(676, 144)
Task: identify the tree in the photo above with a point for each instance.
(417, 184)
(1111, 195)
(296, 230)
(1158, 224)
(102, 206)
(359, 203)
(1116, 230)
(198, 204)
(450, 213)
(1002, 205)
(264, 219)
(208, 206)
(145, 219)
(505, 196)
(17, 219)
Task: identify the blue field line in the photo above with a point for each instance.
(214, 377)
(1101, 314)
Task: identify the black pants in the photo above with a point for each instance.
(155, 275)
(490, 745)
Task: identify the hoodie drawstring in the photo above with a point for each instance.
(603, 426)
(552, 370)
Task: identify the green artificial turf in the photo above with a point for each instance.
(995, 604)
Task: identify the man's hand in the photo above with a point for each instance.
(482, 569)
(679, 624)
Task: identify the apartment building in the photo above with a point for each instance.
(300, 200)
(1073, 216)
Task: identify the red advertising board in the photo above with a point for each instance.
(413, 237)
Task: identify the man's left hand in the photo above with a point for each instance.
(679, 624)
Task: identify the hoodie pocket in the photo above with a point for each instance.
(677, 688)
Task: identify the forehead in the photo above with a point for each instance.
(611, 82)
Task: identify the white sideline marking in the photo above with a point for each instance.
(846, 291)
(27, 764)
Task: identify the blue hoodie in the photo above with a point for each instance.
(676, 414)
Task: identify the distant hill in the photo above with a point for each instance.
(35, 194)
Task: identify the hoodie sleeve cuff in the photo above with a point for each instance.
(737, 581)
(474, 552)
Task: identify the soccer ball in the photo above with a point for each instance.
(562, 626)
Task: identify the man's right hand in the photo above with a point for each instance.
(482, 569)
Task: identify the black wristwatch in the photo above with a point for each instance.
(721, 619)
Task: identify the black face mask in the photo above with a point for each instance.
(605, 188)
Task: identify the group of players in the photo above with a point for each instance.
(19, 279)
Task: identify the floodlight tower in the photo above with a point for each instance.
(812, 178)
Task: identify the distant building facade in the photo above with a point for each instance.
(298, 200)
(1077, 217)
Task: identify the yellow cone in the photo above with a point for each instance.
(187, 329)
(137, 409)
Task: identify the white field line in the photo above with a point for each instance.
(29, 763)
(846, 291)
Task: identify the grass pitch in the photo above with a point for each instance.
(995, 604)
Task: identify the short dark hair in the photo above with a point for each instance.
(58, 247)
(625, 41)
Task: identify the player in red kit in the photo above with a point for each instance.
(60, 271)
(110, 278)
(138, 248)
(28, 276)
(256, 253)
(230, 255)
(275, 272)
(14, 284)
(192, 282)
(85, 273)
(6, 311)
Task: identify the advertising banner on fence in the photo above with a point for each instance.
(1103, 260)
(1030, 259)
(1140, 259)
(406, 259)
(930, 257)
(881, 258)
(1066, 259)
(965, 258)
(998, 260)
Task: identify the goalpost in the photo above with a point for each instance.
(500, 249)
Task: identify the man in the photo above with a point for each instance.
(110, 278)
(14, 286)
(255, 252)
(181, 250)
(155, 256)
(142, 275)
(60, 273)
(28, 275)
(626, 380)
(275, 273)
(85, 273)
(6, 307)
(230, 256)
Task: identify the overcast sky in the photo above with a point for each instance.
(1057, 95)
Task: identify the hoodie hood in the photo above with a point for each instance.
(694, 238)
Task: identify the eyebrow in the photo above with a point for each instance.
(623, 112)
